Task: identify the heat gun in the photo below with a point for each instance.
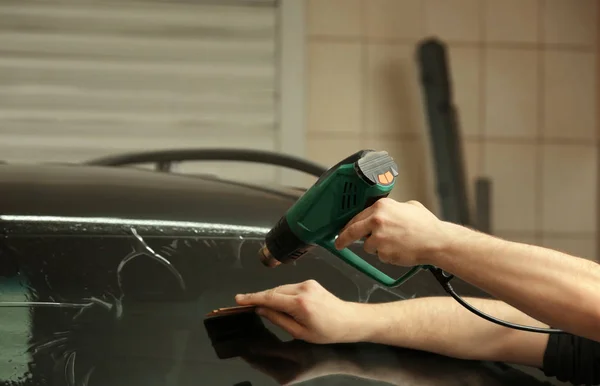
(342, 192)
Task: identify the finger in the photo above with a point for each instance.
(353, 233)
(286, 289)
(370, 245)
(270, 298)
(360, 216)
(281, 320)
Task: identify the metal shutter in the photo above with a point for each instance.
(81, 79)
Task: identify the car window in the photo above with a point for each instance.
(127, 307)
(110, 306)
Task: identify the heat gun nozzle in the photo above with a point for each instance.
(267, 259)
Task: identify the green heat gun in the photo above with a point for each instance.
(318, 216)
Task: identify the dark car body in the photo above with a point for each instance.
(108, 274)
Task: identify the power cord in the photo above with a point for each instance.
(444, 279)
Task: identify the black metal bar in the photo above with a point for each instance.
(444, 132)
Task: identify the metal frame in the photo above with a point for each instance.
(445, 141)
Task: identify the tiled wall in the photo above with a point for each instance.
(524, 73)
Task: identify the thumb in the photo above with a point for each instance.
(283, 321)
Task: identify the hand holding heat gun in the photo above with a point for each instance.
(321, 213)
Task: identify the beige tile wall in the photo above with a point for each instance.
(525, 78)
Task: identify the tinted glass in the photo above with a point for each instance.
(108, 305)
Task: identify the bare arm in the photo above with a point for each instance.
(437, 324)
(442, 326)
(553, 287)
(561, 290)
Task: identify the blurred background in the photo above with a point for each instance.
(525, 86)
(320, 79)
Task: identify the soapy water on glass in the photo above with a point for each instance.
(364, 285)
(110, 307)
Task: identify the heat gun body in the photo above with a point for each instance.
(318, 216)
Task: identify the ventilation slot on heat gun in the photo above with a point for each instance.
(349, 196)
(297, 254)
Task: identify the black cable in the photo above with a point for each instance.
(444, 280)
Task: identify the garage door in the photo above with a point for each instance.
(81, 79)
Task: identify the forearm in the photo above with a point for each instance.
(560, 290)
(440, 325)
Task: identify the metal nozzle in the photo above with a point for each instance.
(267, 259)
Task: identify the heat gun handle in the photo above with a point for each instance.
(357, 262)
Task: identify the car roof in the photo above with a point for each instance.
(82, 190)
